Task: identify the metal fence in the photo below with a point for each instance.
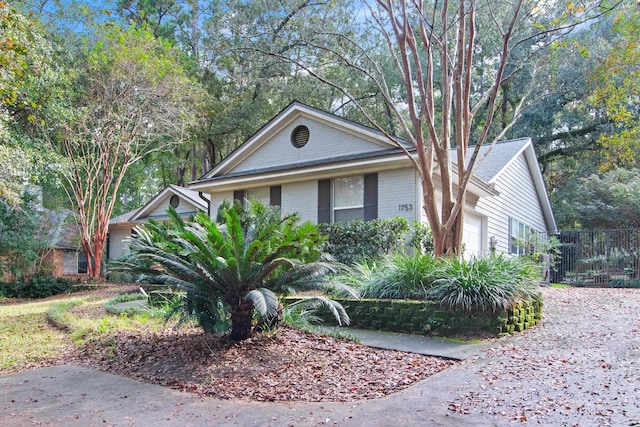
(598, 258)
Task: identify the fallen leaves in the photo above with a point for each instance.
(288, 365)
(575, 368)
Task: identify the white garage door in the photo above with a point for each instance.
(472, 235)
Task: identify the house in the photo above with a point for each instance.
(64, 256)
(330, 169)
(185, 201)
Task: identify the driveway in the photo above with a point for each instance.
(580, 366)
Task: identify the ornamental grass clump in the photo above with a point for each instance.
(487, 284)
(401, 276)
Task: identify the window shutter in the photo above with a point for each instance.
(239, 196)
(275, 195)
(324, 201)
(370, 196)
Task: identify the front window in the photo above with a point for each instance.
(261, 195)
(83, 268)
(75, 263)
(348, 199)
(519, 237)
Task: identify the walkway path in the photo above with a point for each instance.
(581, 366)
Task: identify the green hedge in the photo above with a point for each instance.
(37, 287)
(428, 317)
(353, 241)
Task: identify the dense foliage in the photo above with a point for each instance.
(36, 287)
(602, 200)
(236, 266)
(353, 241)
(486, 284)
(24, 237)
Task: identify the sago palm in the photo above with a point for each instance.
(241, 263)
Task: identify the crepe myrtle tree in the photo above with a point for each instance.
(239, 264)
(135, 98)
(442, 69)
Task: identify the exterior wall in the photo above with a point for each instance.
(54, 261)
(517, 199)
(301, 197)
(324, 142)
(398, 195)
(217, 199)
(117, 246)
(184, 209)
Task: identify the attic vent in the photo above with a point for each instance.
(174, 201)
(300, 136)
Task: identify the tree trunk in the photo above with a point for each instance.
(241, 320)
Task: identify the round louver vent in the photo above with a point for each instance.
(174, 201)
(300, 136)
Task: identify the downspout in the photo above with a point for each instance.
(208, 202)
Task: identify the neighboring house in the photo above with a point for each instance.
(65, 257)
(185, 201)
(330, 169)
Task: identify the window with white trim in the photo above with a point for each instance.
(519, 237)
(348, 198)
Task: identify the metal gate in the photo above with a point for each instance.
(599, 258)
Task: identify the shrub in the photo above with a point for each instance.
(352, 242)
(401, 276)
(37, 287)
(488, 284)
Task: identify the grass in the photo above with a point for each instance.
(560, 285)
(27, 339)
(87, 324)
(40, 331)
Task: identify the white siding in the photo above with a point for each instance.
(324, 143)
(517, 199)
(397, 194)
(117, 246)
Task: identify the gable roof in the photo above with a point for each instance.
(285, 117)
(494, 159)
(140, 214)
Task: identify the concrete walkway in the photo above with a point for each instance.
(414, 343)
(76, 396)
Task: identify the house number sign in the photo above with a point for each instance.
(405, 207)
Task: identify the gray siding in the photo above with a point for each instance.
(184, 207)
(301, 197)
(117, 246)
(324, 142)
(397, 195)
(217, 199)
(517, 199)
